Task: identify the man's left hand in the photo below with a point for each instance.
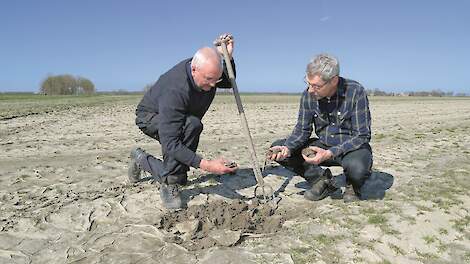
(228, 39)
(321, 156)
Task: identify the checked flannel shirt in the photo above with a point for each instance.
(342, 122)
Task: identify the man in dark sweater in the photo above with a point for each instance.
(171, 112)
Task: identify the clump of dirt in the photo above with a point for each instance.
(309, 152)
(220, 223)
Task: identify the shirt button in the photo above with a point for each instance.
(333, 124)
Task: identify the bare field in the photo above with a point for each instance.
(64, 195)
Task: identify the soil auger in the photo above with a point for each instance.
(267, 192)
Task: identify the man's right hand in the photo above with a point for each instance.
(216, 166)
(229, 41)
(278, 153)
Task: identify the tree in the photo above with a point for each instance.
(86, 86)
(66, 84)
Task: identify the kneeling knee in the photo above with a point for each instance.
(357, 173)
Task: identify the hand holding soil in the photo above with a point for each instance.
(316, 155)
(309, 152)
(218, 166)
(277, 153)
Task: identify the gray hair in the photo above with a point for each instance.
(204, 55)
(324, 65)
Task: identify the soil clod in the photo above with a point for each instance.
(309, 152)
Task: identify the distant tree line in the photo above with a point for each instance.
(435, 93)
(66, 84)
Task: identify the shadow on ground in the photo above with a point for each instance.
(373, 189)
(229, 185)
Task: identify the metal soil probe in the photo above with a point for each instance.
(256, 169)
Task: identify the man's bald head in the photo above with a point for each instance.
(206, 56)
(206, 68)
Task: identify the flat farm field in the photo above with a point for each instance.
(65, 198)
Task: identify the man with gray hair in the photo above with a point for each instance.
(171, 112)
(338, 108)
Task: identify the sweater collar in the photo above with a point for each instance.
(190, 76)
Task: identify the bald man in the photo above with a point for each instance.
(171, 112)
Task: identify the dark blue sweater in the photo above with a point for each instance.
(174, 97)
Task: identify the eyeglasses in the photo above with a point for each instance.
(211, 80)
(315, 86)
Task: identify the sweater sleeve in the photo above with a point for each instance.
(225, 80)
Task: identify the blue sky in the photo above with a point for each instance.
(391, 45)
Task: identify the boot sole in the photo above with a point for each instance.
(131, 166)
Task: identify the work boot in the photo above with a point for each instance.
(336, 194)
(321, 188)
(180, 179)
(350, 195)
(170, 195)
(134, 170)
(184, 181)
(313, 174)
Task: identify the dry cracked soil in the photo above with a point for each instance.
(65, 198)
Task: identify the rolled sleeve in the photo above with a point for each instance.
(303, 129)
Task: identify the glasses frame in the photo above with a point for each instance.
(315, 86)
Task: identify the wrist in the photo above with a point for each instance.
(204, 164)
(288, 151)
(330, 154)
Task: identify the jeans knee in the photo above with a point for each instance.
(356, 172)
(194, 124)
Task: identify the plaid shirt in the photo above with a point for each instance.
(342, 123)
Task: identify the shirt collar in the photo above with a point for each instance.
(341, 91)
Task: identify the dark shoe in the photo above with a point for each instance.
(184, 181)
(313, 174)
(336, 194)
(321, 188)
(350, 195)
(134, 170)
(170, 195)
(181, 179)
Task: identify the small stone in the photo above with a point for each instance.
(270, 152)
(231, 164)
(310, 153)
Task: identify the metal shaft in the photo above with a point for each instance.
(231, 75)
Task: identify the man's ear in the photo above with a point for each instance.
(336, 80)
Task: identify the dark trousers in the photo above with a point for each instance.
(169, 171)
(356, 164)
